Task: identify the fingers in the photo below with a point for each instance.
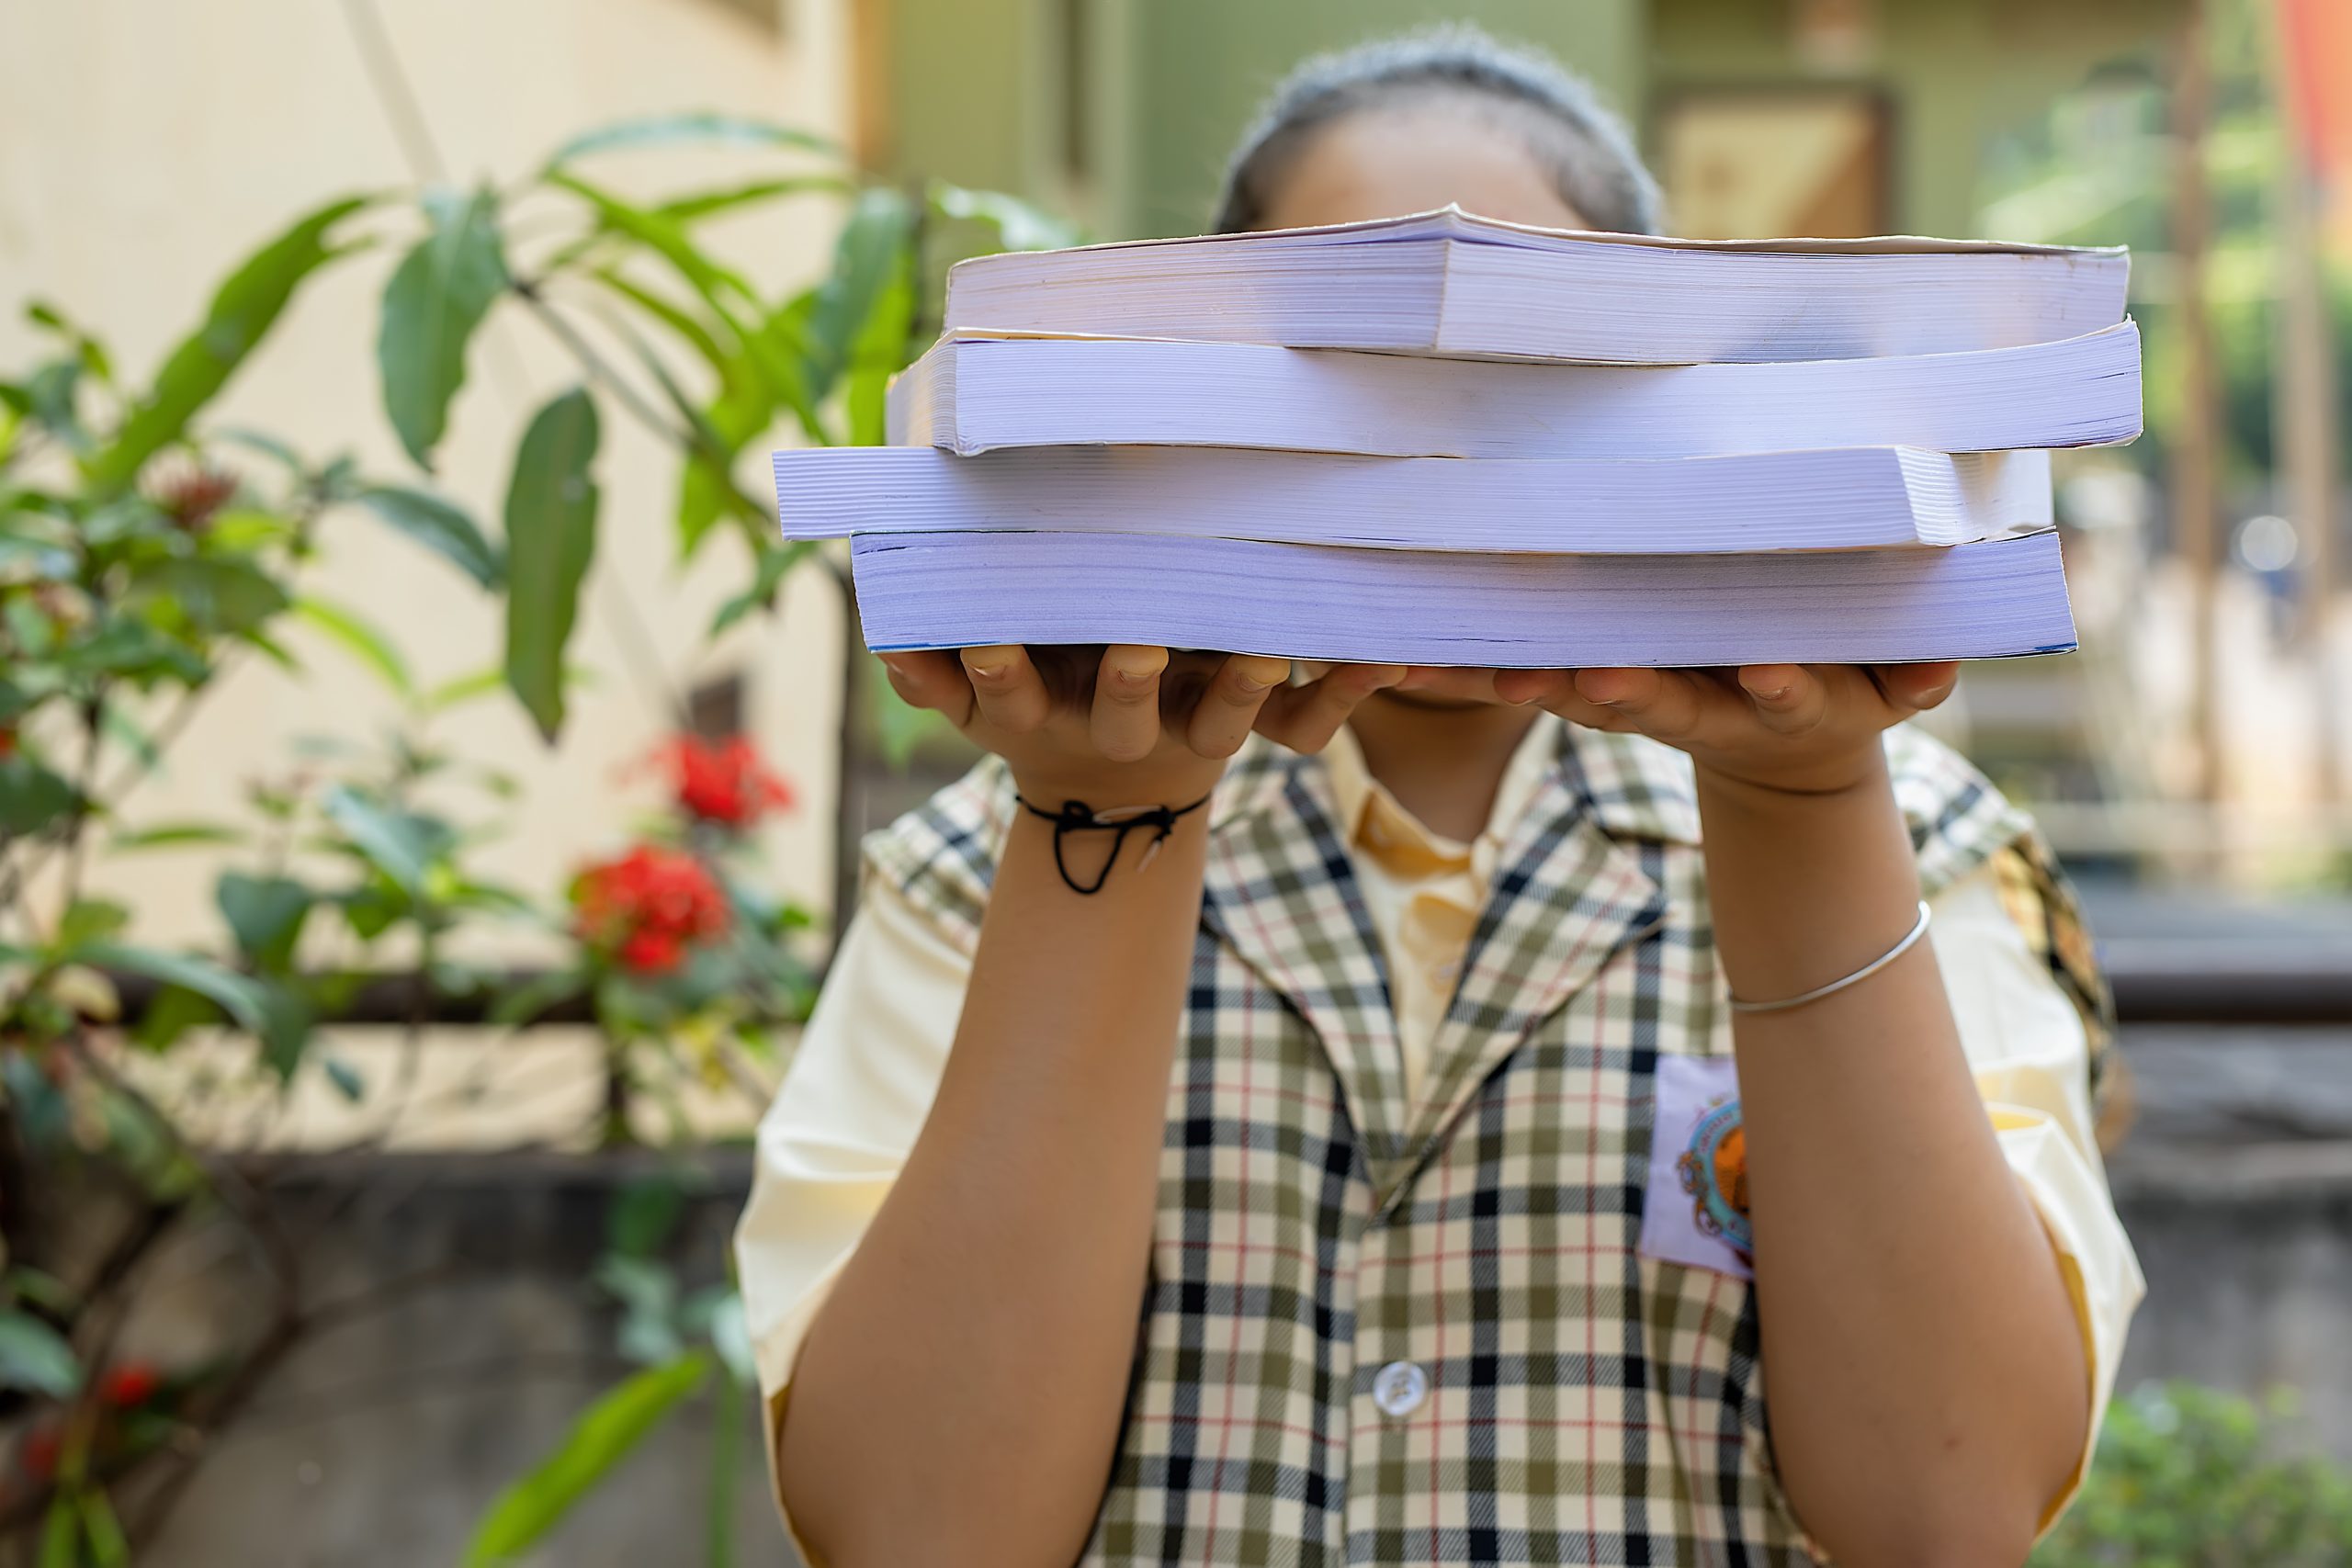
(1305, 717)
(1914, 688)
(1008, 687)
(1554, 691)
(930, 679)
(1450, 683)
(1228, 709)
(1668, 704)
(1125, 725)
(1787, 699)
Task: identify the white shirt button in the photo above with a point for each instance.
(1447, 971)
(1399, 1387)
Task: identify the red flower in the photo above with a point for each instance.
(128, 1384)
(650, 952)
(8, 741)
(647, 906)
(722, 781)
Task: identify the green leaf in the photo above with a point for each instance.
(242, 998)
(260, 441)
(706, 203)
(89, 350)
(670, 129)
(696, 333)
(31, 630)
(877, 354)
(125, 732)
(247, 530)
(464, 689)
(371, 911)
(440, 527)
(395, 843)
(647, 1292)
(39, 1288)
(1018, 225)
(61, 1534)
(31, 797)
(667, 240)
(728, 1402)
(215, 594)
(436, 298)
(551, 540)
(287, 1024)
(730, 1336)
(35, 1356)
(899, 727)
(173, 835)
(274, 651)
(707, 477)
(42, 1115)
(871, 258)
(604, 1435)
(778, 356)
(363, 641)
(245, 307)
(524, 1003)
(346, 1078)
(36, 549)
(644, 1215)
(126, 519)
(706, 483)
(173, 1013)
(86, 920)
(15, 701)
(775, 563)
(265, 913)
(109, 1547)
(129, 646)
(52, 399)
(753, 382)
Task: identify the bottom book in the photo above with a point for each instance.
(1997, 598)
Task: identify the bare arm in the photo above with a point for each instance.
(1927, 1378)
(958, 1397)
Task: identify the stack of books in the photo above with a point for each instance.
(1444, 440)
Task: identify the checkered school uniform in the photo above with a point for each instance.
(1383, 1332)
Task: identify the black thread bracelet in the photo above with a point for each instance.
(1077, 817)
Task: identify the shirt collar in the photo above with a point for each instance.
(1372, 818)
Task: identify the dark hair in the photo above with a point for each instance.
(1584, 147)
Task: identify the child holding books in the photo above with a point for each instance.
(1403, 1115)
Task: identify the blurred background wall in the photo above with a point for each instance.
(142, 152)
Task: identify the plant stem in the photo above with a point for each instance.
(94, 715)
(617, 1131)
(600, 371)
(726, 1437)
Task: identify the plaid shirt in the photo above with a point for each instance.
(1390, 1328)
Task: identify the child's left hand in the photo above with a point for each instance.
(1806, 729)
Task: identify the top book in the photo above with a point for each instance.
(1457, 286)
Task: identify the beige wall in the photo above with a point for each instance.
(145, 147)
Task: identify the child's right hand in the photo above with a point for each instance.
(1131, 727)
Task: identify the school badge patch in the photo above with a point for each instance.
(1695, 1209)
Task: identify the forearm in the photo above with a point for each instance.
(1927, 1390)
(959, 1395)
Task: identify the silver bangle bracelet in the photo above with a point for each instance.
(1910, 940)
